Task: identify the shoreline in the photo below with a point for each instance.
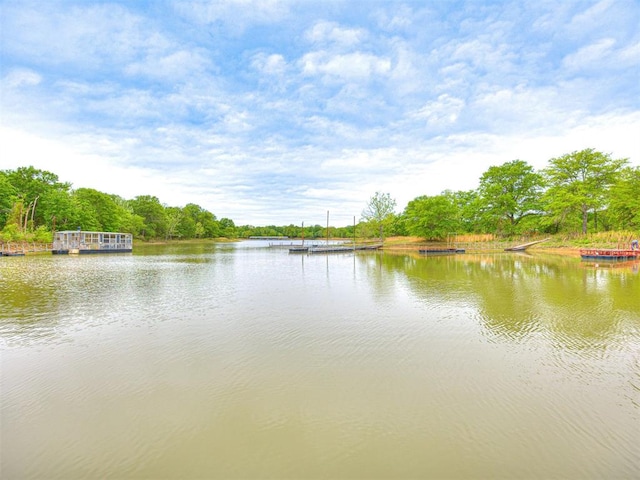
(413, 244)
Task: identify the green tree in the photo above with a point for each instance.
(174, 217)
(432, 218)
(101, 210)
(40, 192)
(62, 210)
(153, 212)
(8, 196)
(468, 211)
(624, 206)
(198, 230)
(227, 228)
(128, 221)
(579, 183)
(379, 211)
(195, 215)
(508, 193)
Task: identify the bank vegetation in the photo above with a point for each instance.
(581, 198)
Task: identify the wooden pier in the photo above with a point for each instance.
(341, 248)
(441, 251)
(20, 249)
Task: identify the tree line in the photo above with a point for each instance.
(34, 203)
(581, 191)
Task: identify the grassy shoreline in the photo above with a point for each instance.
(556, 244)
(561, 244)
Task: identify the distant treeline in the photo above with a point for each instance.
(577, 192)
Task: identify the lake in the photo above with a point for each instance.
(235, 360)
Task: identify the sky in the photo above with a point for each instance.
(274, 112)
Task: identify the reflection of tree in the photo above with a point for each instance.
(26, 301)
(517, 295)
(43, 295)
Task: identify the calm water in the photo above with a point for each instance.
(236, 361)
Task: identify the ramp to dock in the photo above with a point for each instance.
(524, 246)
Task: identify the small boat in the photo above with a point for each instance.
(608, 254)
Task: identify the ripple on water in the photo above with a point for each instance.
(271, 365)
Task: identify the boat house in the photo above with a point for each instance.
(79, 241)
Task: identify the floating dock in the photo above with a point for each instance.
(20, 249)
(441, 251)
(333, 248)
(609, 254)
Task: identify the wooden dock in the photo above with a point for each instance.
(341, 248)
(441, 251)
(20, 249)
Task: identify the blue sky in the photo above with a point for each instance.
(273, 112)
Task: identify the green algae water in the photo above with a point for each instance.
(241, 361)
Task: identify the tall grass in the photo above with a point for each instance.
(614, 239)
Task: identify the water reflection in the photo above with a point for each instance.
(581, 304)
(243, 361)
(521, 295)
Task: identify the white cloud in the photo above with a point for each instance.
(398, 19)
(236, 15)
(481, 53)
(331, 32)
(591, 18)
(629, 56)
(21, 77)
(88, 36)
(441, 112)
(590, 56)
(273, 64)
(177, 65)
(352, 66)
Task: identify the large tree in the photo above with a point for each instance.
(101, 210)
(8, 196)
(153, 212)
(624, 206)
(40, 192)
(579, 184)
(379, 211)
(509, 193)
(468, 210)
(432, 218)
